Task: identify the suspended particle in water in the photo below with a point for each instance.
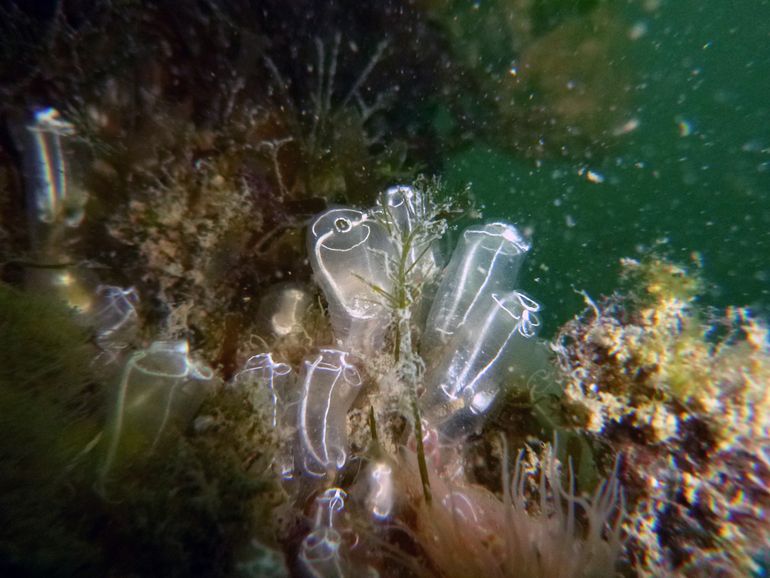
(685, 127)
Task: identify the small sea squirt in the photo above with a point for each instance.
(350, 255)
(114, 316)
(329, 386)
(159, 387)
(46, 169)
(486, 261)
(270, 385)
(402, 211)
(261, 375)
(321, 551)
(489, 348)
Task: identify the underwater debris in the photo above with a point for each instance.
(690, 412)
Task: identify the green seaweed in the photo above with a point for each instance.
(49, 421)
(188, 509)
(181, 510)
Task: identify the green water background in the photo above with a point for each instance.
(701, 68)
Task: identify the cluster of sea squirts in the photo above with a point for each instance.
(452, 336)
(476, 327)
(374, 268)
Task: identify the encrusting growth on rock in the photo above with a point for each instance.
(689, 408)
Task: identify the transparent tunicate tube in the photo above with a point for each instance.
(486, 261)
(351, 256)
(55, 205)
(46, 169)
(400, 208)
(491, 347)
(381, 495)
(114, 316)
(284, 308)
(329, 386)
(269, 385)
(262, 375)
(159, 386)
(320, 552)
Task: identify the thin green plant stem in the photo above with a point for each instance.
(421, 463)
(373, 426)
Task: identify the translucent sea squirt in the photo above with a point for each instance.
(320, 555)
(261, 375)
(283, 309)
(492, 344)
(114, 316)
(269, 384)
(350, 255)
(401, 209)
(329, 386)
(159, 386)
(45, 166)
(486, 261)
(382, 492)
